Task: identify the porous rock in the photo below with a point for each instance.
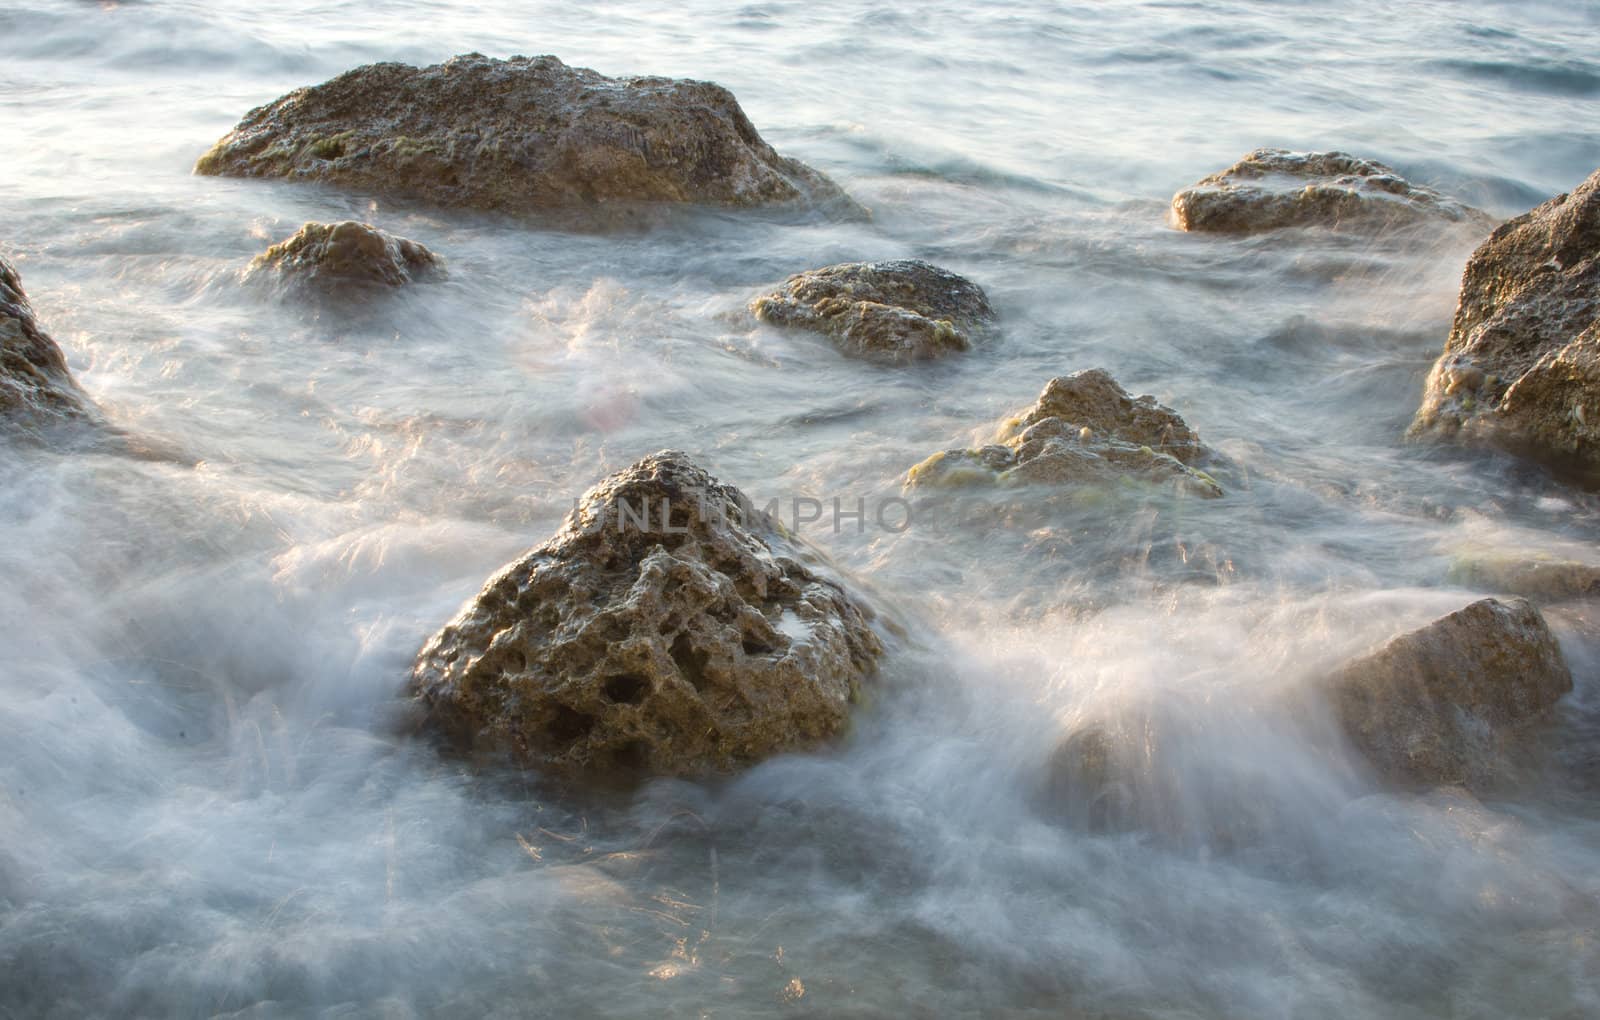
(1521, 368)
(1084, 429)
(519, 135)
(667, 628)
(1446, 704)
(37, 391)
(1273, 188)
(346, 253)
(893, 311)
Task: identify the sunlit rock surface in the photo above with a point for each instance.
(1272, 188)
(519, 135)
(894, 311)
(666, 628)
(1521, 369)
(1445, 704)
(1084, 429)
(37, 392)
(331, 254)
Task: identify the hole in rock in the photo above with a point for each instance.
(568, 725)
(691, 661)
(626, 689)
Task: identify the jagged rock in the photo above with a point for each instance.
(1444, 704)
(37, 392)
(668, 627)
(1084, 428)
(345, 253)
(895, 311)
(519, 135)
(1272, 188)
(1521, 369)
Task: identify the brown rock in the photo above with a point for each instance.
(1083, 429)
(1521, 369)
(37, 392)
(346, 253)
(896, 311)
(1445, 704)
(521, 135)
(1272, 188)
(667, 628)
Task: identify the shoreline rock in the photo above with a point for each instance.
(37, 391)
(667, 628)
(346, 253)
(523, 135)
(1273, 188)
(894, 311)
(1521, 368)
(1084, 428)
(1445, 704)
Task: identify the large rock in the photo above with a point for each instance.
(667, 628)
(896, 311)
(332, 254)
(1445, 704)
(1083, 429)
(1272, 188)
(1521, 369)
(37, 392)
(519, 135)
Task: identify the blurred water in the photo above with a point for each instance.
(203, 810)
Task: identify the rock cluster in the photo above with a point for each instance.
(894, 311)
(1444, 704)
(1083, 429)
(37, 392)
(346, 253)
(519, 135)
(1272, 188)
(1521, 369)
(667, 628)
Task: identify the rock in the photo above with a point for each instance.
(668, 627)
(896, 311)
(1541, 578)
(1521, 369)
(521, 135)
(346, 253)
(1084, 428)
(1444, 705)
(1272, 188)
(37, 392)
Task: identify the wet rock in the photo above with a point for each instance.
(1541, 578)
(1272, 188)
(895, 311)
(1521, 369)
(1083, 429)
(1444, 705)
(519, 135)
(668, 627)
(37, 392)
(346, 253)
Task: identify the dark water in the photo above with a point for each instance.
(202, 811)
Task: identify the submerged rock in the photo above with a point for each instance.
(519, 135)
(1272, 188)
(1083, 429)
(345, 253)
(668, 627)
(37, 391)
(1443, 705)
(896, 311)
(1521, 369)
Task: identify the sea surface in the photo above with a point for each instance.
(207, 810)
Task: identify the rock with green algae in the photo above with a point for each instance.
(523, 135)
(1084, 429)
(1521, 368)
(1447, 704)
(667, 628)
(38, 395)
(1273, 188)
(346, 253)
(893, 311)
